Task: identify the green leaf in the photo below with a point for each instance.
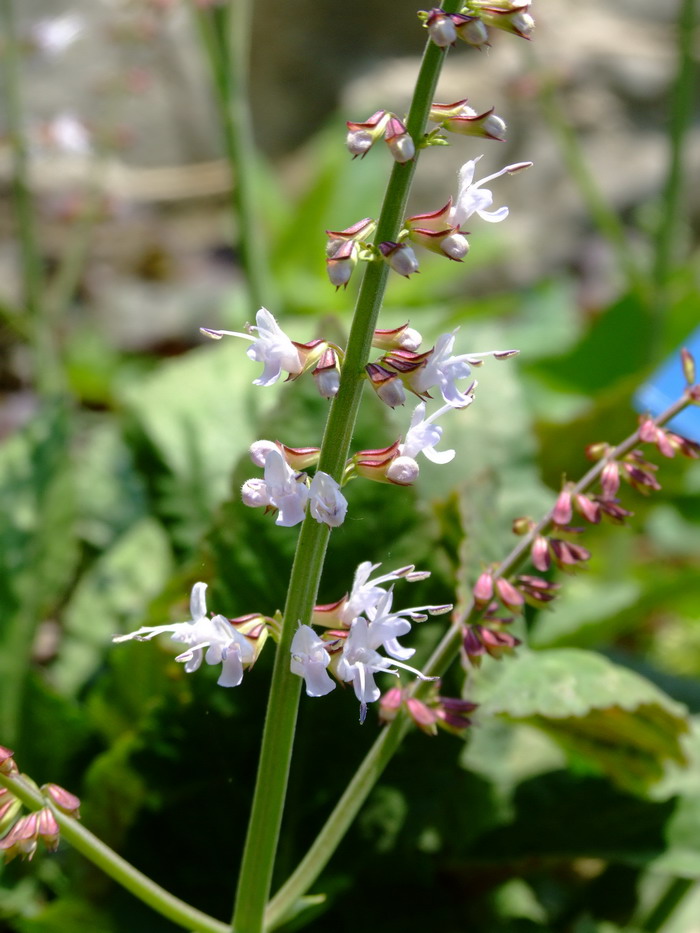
(112, 596)
(38, 547)
(606, 717)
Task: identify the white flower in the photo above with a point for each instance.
(285, 490)
(365, 594)
(310, 660)
(360, 661)
(224, 644)
(53, 36)
(68, 134)
(272, 347)
(473, 199)
(326, 501)
(423, 435)
(442, 370)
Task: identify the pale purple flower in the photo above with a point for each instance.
(366, 593)
(223, 643)
(442, 370)
(53, 36)
(285, 490)
(423, 434)
(473, 199)
(310, 660)
(326, 502)
(360, 661)
(272, 347)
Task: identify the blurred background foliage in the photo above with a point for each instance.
(572, 809)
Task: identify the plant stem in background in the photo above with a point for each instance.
(225, 33)
(381, 752)
(278, 736)
(672, 895)
(46, 365)
(672, 208)
(604, 217)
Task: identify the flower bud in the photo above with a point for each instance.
(471, 30)
(483, 589)
(464, 120)
(7, 762)
(441, 29)
(403, 337)
(63, 799)
(259, 450)
(508, 594)
(399, 141)
(341, 264)
(403, 471)
(387, 385)
(362, 136)
(47, 828)
(327, 374)
(254, 493)
(562, 511)
(400, 257)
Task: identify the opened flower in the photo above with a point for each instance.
(214, 640)
(272, 347)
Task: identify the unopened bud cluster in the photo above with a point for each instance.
(470, 25)
(20, 833)
(551, 541)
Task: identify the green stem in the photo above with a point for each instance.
(47, 370)
(603, 215)
(225, 36)
(278, 736)
(379, 755)
(672, 895)
(113, 865)
(673, 208)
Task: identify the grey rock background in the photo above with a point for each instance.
(140, 70)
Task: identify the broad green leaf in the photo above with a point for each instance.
(38, 546)
(198, 413)
(67, 914)
(112, 597)
(605, 716)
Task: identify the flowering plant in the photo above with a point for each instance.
(277, 682)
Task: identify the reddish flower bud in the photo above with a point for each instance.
(424, 717)
(537, 591)
(567, 554)
(483, 589)
(63, 799)
(612, 509)
(7, 764)
(539, 553)
(586, 507)
(509, 596)
(390, 704)
(47, 828)
(610, 479)
(562, 511)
